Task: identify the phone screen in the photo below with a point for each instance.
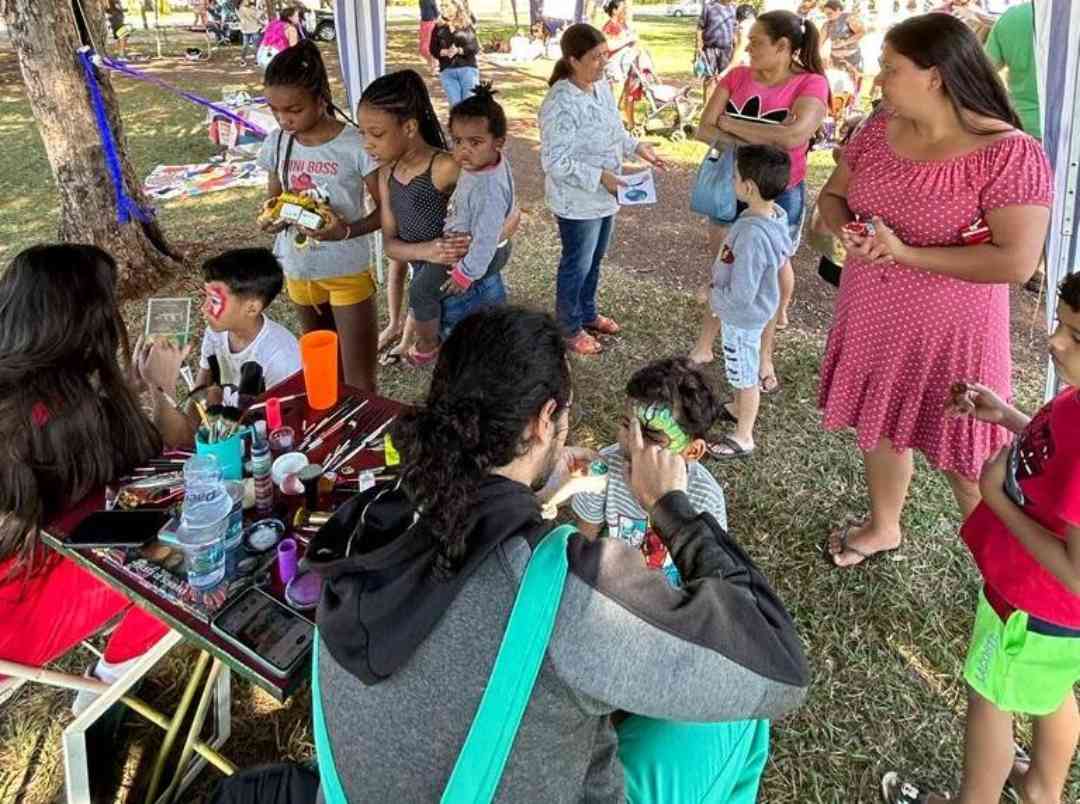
(118, 529)
(267, 629)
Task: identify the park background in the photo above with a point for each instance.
(885, 641)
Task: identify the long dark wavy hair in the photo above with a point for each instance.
(405, 95)
(495, 373)
(969, 78)
(69, 420)
(802, 35)
(577, 40)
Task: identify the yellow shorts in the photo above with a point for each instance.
(340, 291)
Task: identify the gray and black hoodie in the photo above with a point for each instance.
(404, 657)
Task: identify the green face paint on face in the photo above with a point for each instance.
(662, 420)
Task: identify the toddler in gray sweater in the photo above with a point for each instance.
(745, 289)
(484, 197)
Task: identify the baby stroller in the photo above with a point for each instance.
(667, 103)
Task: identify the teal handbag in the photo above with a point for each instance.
(714, 186)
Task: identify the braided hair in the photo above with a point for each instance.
(482, 105)
(495, 373)
(302, 66)
(404, 95)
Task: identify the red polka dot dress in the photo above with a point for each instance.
(901, 336)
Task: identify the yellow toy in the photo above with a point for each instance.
(299, 210)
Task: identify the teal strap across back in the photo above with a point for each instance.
(487, 747)
(480, 764)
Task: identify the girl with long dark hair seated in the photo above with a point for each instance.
(69, 422)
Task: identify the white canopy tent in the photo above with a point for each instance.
(361, 41)
(1057, 44)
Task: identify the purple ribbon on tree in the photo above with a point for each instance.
(127, 208)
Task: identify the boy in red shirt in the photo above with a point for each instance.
(1025, 537)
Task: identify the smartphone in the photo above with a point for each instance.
(267, 630)
(118, 529)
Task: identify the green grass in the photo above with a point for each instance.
(886, 642)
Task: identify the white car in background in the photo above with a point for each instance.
(687, 8)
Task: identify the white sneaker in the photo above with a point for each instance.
(102, 671)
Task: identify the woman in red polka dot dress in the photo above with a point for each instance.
(957, 198)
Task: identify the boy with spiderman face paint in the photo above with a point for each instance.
(676, 408)
(243, 351)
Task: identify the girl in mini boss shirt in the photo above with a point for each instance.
(320, 159)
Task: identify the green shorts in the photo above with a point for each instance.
(1016, 668)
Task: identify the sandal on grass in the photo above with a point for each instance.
(603, 326)
(728, 449)
(418, 359)
(391, 358)
(770, 384)
(845, 534)
(895, 790)
(1020, 757)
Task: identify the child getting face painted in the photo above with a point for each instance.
(243, 350)
(676, 408)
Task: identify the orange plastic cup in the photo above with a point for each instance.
(319, 356)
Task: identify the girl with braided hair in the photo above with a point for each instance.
(418, 175)
(328, 270)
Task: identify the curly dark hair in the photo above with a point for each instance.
(495, 373)
(681, 385)
(1069, 291)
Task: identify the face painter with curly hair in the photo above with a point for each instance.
(421, 575)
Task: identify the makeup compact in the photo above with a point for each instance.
(263, 535)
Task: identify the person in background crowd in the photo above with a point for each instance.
(718, 38)
(454, 44)
(1011, 47)
(971, 13)
(582, 148)
(281, 34)
(622, 42)
(924, 296)
(842, 33)
(201, 10)
(429, 15)
(251, 22)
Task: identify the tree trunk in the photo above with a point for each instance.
(46, 36)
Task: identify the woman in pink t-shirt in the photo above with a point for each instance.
(780, 99)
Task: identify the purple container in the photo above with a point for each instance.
(286, 560)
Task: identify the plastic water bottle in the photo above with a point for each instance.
(261, 464)
(204, 522)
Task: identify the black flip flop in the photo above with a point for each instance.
(737, 452)
(864, 558)
(769, 391)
